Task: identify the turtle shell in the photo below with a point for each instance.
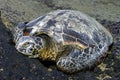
(71, 27)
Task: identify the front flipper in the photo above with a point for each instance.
(76, 60)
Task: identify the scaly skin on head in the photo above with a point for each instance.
(29, 45)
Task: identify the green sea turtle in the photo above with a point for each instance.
(72, 39)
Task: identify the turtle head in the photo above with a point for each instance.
(29, 45)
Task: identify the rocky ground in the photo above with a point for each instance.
(15, 66)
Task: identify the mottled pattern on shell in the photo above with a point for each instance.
(73, 28)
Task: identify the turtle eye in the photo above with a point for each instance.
(28, 45)
(25, 44)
